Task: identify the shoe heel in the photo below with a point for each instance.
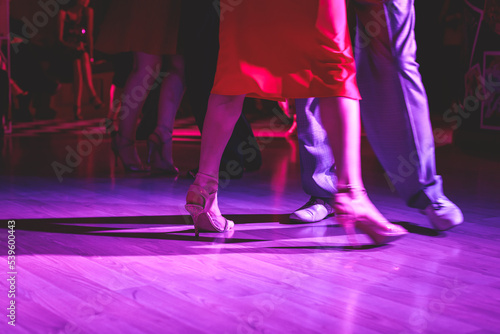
(195, 211)
(349, 226)
(206, 216)
(381, 237)
(377, 238)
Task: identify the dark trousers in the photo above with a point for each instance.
(199, 38)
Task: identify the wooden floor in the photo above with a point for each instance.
(100, 251)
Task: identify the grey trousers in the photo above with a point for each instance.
(394, 109)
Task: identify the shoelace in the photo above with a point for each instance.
(439, 204)
(309, 203)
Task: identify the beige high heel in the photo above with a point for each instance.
(201, 203)
(353, 209)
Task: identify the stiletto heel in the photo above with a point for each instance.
(118, 143)
(353, 209)
(201, 203)
(349, 226)
(195, 210)
(160, 154)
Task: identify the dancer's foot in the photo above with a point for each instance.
(201, 203)
(314, 210)
(353, 209)
(443, 214)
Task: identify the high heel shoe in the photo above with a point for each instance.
(201, 203)
(353, 209)
(122, 147)
(160, 154)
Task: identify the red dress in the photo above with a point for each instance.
(276, 49)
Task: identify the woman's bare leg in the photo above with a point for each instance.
(77, 88)
(87, 75)
(341, 120)
(146, 68)
(172, 90)
(115, 94)
(222, 114)
(143, 76)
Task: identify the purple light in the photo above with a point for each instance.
(83, 31)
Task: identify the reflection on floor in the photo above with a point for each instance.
(102, 251)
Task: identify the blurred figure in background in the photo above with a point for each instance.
(30, 71)
(150, 32)
(75, 36)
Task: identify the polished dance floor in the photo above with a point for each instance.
(102, 251)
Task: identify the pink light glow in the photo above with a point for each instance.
(83, 31)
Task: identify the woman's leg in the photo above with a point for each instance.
(143, 76)
(87, 74)
(172, 90)
(341, 120)
(77, 88)
(115, 94)
(222, 114)
(123, 64)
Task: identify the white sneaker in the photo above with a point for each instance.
(314, 210)
(443, 214)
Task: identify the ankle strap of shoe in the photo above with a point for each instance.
(349, 188)
(216, 179)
